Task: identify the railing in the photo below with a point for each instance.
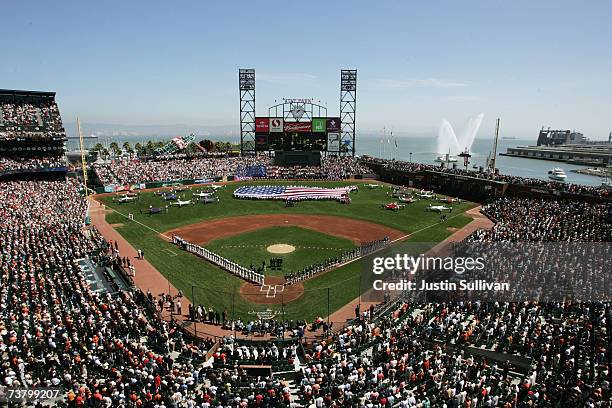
(36, 170)
(220, 261)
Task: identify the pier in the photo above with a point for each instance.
(580, 154)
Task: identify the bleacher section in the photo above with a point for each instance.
(258, 171)
(30, 115)
(32, 136)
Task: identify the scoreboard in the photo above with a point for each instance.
(320, 134)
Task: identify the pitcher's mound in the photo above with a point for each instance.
(280, 249)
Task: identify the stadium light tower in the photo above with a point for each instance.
(348, 105)
(246, 79)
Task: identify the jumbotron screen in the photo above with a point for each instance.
(320, 134)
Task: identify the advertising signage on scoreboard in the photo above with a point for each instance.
(276, 125)
(333, 142)
(318, 125)
(262, 125)
(333, 125)
(298, 127)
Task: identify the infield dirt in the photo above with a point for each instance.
(357, 231)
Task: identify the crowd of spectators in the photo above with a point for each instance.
(178, 168)
(136, 171)
(30, 119)
(14, 164)
(533, 220)
(549, 354)
(423, 355)
(547, 249)
(100, 349)
(114, 351)
(412, 167)
(35, 121)
(331, 168)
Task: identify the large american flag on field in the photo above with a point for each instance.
(292, 192)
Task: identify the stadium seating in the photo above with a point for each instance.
(32, 136)
(57, 332)
(29, 116)
(105, 346)
(412, 167)
(133, 172)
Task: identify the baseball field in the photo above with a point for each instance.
(254, 233)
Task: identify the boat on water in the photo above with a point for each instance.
(557, 174)
(443, 159)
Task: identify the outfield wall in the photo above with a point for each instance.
(112, 188)
(474, 188)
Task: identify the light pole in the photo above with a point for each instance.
(193, 312)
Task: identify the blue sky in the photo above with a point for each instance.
(162, 63)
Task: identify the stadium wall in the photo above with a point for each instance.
(473, 188)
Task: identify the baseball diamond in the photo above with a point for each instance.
(319, 277)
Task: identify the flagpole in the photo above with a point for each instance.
(384, 149)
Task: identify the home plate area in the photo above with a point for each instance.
(271, 290)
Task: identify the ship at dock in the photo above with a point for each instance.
(566, 146)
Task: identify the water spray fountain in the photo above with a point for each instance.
(450, 145)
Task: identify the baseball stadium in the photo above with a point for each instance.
(253, 267)
(276, 266)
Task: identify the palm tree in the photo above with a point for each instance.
(208, 145)
(128, 147)
(191, 148)
(150, 146)
(114, 148)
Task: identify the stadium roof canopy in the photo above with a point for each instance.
(8, 93)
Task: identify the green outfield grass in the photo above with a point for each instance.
(208, 285)
(251, 248)
(366, 206)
